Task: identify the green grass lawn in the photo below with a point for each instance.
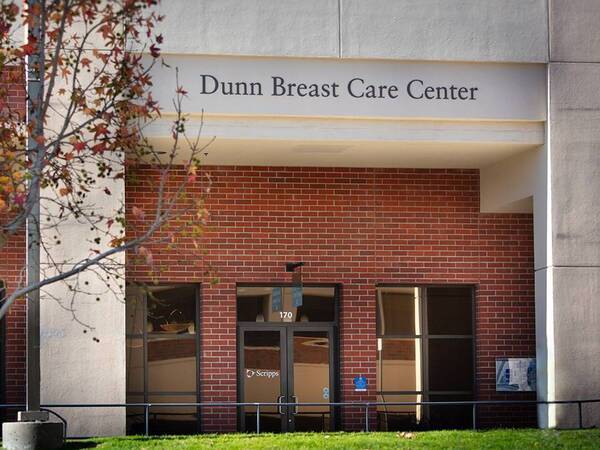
(496, 439)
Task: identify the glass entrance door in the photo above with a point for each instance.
(310, 379)
(286, 364)
(262, 378)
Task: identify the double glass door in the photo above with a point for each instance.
(286, 363)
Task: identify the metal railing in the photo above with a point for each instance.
(366, 406)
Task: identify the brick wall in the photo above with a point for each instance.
(12, 261)
(357, 227)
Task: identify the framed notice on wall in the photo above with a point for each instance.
(515, 374)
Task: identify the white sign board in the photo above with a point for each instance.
(515, 374)
(244, 86)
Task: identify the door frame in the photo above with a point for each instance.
(286, 344)
(283, 377)
(331, 331)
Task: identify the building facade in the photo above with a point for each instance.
(433, 164)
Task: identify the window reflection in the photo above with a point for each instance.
(398, 366)
(162, 356)
(311, 380)
(449, 310)
(450, 364)
(171, 365)
(275, 304)
(171, 310)
(398, 311)
(262, 377)
(425, 351)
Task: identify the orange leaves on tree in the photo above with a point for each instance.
(65, 191)
(147, 254)
(30, 47)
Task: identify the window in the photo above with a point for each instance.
(424, 353)
(280, 304)
(162, 357)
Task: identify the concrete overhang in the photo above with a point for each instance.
(328, 142)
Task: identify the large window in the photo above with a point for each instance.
(162, 357)
(424, 353)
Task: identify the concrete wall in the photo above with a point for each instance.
(449, 30)
(568, 273)
(81, 364)
(508, 185)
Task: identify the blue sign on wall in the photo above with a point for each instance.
(297, 296)
(360, 384)
(276, 299)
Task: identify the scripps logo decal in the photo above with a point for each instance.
(261, 373)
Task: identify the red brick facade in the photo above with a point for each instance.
(357, 227)
(12, 262)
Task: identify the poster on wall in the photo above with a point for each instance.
(515, 374)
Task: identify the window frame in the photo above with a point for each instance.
(424, 338)
(145, 335)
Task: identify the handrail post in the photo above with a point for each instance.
(147, 419)
(580, 415)
(258, 418)
(474, 416)
(366, 417)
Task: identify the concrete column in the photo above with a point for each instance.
(78, 364)
(568, 228)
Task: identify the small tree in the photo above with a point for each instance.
(92, 60)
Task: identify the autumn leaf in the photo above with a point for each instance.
(154, 51)
(30, 47)
(147, 254)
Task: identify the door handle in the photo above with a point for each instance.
(295, 400)
(280, 401)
